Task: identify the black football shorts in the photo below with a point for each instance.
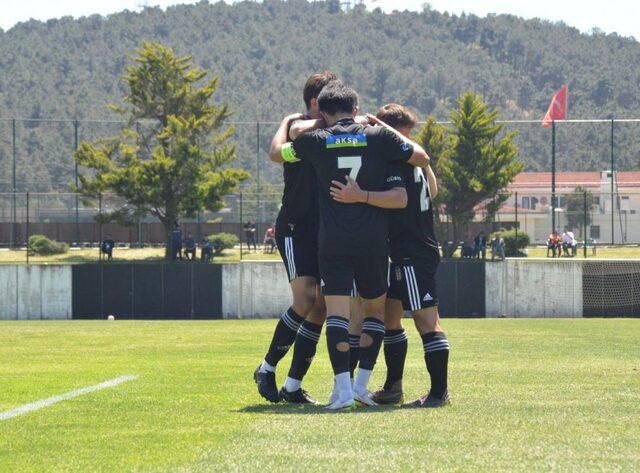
(298, 248)
(339, 273)
(413, 281)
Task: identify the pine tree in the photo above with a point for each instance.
(170, 158)
(480, 162)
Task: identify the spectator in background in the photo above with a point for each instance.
(176, 242)
(466, 249)
(554, 243)
(480, 245)
(250, 235)
(207, 251)
(106, 247)
(497, 247)
(189, 247)
(270, 239)
(569, 242)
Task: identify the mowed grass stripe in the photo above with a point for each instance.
(528, 395)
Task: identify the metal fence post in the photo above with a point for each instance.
(553, 175)
(14, 153)
(199, 228)
(28, 227)
(613, 167)
(516, 216)
(75, 148)
(100, 227)
(584, 221)
(241, 220)
(258, 183)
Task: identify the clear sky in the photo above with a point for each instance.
(621, 16)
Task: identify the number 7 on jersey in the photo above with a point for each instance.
(350, 162)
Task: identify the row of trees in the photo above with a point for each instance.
(178, 164)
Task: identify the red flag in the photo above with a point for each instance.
(557, 107)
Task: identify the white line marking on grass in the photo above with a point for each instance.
(33, 406)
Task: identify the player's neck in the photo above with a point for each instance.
(313, 115)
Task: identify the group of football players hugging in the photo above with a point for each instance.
(355, 233)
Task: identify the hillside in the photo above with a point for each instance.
(264, 51)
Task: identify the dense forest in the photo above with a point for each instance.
(71, 69)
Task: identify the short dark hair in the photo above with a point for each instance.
(397, 116)
(337, 97)
(315, 84)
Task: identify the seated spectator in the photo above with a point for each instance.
(176, 243)
(270, 240)
(554, 243)
(106, 247)
(497, 247)
(207, 251)
(480, 245)
(569, 243)
(189, 247)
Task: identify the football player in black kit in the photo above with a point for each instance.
(297, 240)
(414, 261)
(353, 240)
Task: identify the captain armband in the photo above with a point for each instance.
(288, 153)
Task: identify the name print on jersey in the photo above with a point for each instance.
(347, 141)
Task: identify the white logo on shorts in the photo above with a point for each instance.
(427, 298)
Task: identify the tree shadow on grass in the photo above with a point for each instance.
(284, 408)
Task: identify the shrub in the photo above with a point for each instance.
(514, 246)
(222, 241)
(41, 245)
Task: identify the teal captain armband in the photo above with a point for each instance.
(288, 153)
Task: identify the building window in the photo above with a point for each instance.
(534, 202)
(594, 232)
(543, 201)
(525, 202)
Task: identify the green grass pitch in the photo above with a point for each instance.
(528, 395)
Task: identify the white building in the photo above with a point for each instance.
(533, 192)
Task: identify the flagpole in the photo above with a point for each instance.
(553, 175)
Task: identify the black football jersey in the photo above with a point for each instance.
(364, 152)
(411, 233)
(300, 194)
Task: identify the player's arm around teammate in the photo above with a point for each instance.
(285, 133)
(351, 193)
